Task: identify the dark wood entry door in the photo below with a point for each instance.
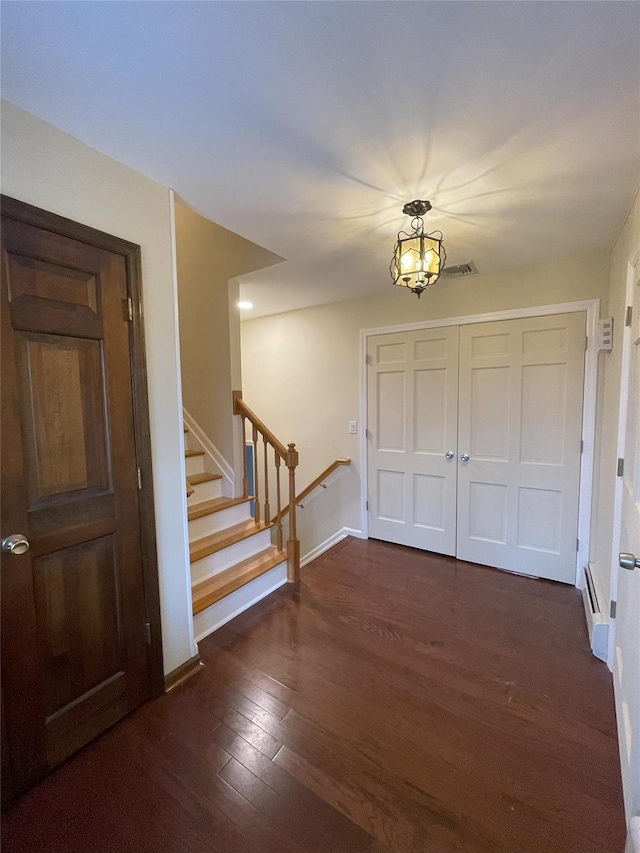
(74, 614)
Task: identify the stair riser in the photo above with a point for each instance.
(205, 492)
(214, 563)
(195, 465)
(222, 611)
(215, 521)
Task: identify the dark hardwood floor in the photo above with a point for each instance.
(396, 701)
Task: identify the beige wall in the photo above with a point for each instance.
(312, 360)
(45, 167)
(207, 257)
(627, 244)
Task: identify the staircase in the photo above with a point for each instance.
(230, 550)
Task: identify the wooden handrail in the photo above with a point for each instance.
(312, 485)
(288, 455)
(241, 408)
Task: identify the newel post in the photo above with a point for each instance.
(293, 545)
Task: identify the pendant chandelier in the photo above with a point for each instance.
(418, 258)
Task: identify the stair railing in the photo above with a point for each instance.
(261, 498)
(319, 481)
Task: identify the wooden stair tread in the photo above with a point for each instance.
(217, 541)
(211, 506)
(207, 592)
(205, 477)
(194, 453)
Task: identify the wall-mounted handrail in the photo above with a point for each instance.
(289, 456)
(315, 483)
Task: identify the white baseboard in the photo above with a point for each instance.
(329, 543)
(212, 454)
(237, 602)
(596, 613)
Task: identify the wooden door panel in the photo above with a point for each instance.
(69, 461)
(63, 525)
(64, 417)
(54, 285)
(30, 277)
(76, 593)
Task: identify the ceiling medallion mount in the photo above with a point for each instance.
(416, 208)
(418, 258)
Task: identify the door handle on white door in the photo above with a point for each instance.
(449, 454)
(464, 457)
(628, 561)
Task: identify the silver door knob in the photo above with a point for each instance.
(449, 454)
(464, 457)
(628, 561)
(15, 544)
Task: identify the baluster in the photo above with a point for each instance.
(256, 489)
(245, 477)
(279, 505)
(267, 507)
(293, 545)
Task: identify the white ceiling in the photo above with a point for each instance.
(304, 126)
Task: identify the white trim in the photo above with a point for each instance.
(183, 494)
(212, 452)
(592, 309)
(623, 405)
(329, 543)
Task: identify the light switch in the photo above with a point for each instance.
(353, 427)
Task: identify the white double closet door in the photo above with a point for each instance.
(474, 441)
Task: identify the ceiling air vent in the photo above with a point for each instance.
(460, 270)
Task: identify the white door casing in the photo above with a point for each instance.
(626, 669)
(520, 422)
(412, 424)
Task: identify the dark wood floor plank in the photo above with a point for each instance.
(392, 702)
(207, 789)
(537, 727)
(103, 800)
(251, 691)
(230, 667)
(253, 733)
(301, 800)
(320, 746)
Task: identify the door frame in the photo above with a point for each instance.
(23, 212)
(632, 263)
(592, 309)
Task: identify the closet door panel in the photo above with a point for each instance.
(412, 423)
(520, 422)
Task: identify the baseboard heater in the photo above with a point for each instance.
(597, 621)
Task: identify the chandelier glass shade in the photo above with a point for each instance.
(418, 258)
